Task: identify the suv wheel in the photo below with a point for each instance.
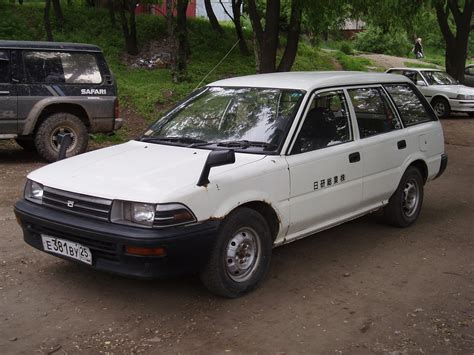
(27, 144)
(47, 136)
(241, 256)
(441, 107)
(405, 204)
(471, 114)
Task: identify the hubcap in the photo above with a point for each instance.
(411, 197)
(242, 255)
(439, 108)
(55, 138)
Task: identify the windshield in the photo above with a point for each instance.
(439, 78)
(242, 118)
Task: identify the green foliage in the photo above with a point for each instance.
(352, 63)
(311, 58)
(375, 40)
(346, 48)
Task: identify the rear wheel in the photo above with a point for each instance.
(47, 137)
(405, 204)
(27, 144)
(241, 256)
(471, 114)
(441, 107)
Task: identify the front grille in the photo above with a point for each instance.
(78, 204)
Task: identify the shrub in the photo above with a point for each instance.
(346, 48)
(377, 41)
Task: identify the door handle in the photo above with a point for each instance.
(402, 144)
(4, 92)
(354, 157)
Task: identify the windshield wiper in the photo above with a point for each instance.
(246, 144)
(182, 140)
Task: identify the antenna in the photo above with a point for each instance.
(220, 62)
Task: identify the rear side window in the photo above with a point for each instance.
(61, 67)
(373, 112)
(4, 67)
(411, 109)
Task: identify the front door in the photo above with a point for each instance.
(325, 167)
(8, 98)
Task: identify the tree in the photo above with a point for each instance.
(47, 20)
(456, 43)
(58, 13)
(235, 17)
(212, 17)
(180, 60)
(111, 8)
(129, 26)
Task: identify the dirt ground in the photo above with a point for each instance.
(385, 61)
(362, 287)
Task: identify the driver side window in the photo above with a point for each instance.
(326, 123)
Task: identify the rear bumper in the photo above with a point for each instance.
(443, 165)
(187, 247)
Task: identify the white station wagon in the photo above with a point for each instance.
(445, 93)
(241, 166)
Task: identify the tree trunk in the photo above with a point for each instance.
(293, 37)
(47, 21)
(212, 17)
(236, 6)
(169, 18)
(111, 7)
(456, 44)
(269, 46)
(180, 65)
(129, 32)
(58, 13)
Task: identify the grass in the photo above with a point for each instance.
(353, 63)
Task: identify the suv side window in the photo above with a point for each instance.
(61, 67)
(326, 123)
(4, 67)
(373, 112)
(411, 109)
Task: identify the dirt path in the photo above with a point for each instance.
(359, 288)
(388, 61)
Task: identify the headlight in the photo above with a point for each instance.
(465, 97)
(33, 191)
(150, 215)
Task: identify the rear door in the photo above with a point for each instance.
(383, 143)
(8, 98)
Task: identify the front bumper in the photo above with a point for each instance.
(461, 105)
(187, 247)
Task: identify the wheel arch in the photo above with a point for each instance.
(421, 165)
(439, 96)
(43, 110)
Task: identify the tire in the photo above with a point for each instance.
(243, 231)
(405, 204)
(46, 140)
(471, 114)
(28, 144)
(441, 107)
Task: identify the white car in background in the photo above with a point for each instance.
(445, 93)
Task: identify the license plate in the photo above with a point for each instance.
(67, 248)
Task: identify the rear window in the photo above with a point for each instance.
(409, 105)
(4, 67)
(61, 67)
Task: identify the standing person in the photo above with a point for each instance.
(418, 50)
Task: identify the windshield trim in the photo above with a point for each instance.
(250, 149)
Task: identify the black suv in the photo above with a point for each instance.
(48, 89)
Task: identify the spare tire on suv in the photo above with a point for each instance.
(47, 137)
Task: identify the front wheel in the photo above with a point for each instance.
(441, 107)
(405, 204)
(241, 255)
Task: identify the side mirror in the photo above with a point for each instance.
(215, 158)
(420, 83)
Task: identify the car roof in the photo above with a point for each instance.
(309, 80)
(48, 46)
(417, 69)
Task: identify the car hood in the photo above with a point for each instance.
(135, 171)
(453, 89)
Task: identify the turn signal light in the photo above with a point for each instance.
(142, 251)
